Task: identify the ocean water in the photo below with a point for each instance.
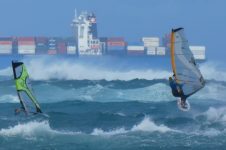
(112, 110)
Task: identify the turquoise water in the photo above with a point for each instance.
(116, 114)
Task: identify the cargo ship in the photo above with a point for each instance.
(86, 42)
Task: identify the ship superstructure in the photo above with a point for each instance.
(86, 36)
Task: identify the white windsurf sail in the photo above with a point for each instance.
(183, 63)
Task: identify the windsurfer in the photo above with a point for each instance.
(178, 91)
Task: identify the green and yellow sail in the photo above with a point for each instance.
(24, 90)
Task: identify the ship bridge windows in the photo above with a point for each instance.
(81, 35)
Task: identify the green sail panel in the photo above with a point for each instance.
(24, 90)
(184, 66)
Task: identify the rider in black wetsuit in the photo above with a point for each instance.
(177, 91)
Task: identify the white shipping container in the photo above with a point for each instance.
(7, 47)
(71, 50)
(202, 48)
(94, 52)
(161, 51)
(135, 48)
(198, 52)
(22, 51)
(151, 44)
(5, 51)
(151, 50)
(199, 57)
(150, 39)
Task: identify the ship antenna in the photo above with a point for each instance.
(75, 13)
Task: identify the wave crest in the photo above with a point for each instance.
(31, 129)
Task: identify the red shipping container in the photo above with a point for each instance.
(6, 42)
(116, 44)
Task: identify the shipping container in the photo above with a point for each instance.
(6, 42)
(61, 47)
(199, 52)
(161, 51)
(116, 48)
(71, 49)
(200, 57)
(151, 44)
(93, 52)
(150, 39)
(151, 50)
(26, 51)
(32, 47)
(6, 47)
(135, 50)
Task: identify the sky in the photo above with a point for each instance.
(204, 20)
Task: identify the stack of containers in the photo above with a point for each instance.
(151, 43)
(26, 45)
(52, 46)
(116, 45)
(41, 45)
(199, 52)
(135, 50)
(151, 50)
(71, 46)
(95, 48)
(61, 47)
(6, 46)
(161, 51)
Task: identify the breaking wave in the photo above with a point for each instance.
(216, 114)
(146, 125)
(31, 129)
(46, 69)
(34, 129)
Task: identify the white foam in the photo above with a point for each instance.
(216, 114)
(46, 68)
(9, 99)
(147, 125)
(212, 71)
(97, 131)
(31, 129)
